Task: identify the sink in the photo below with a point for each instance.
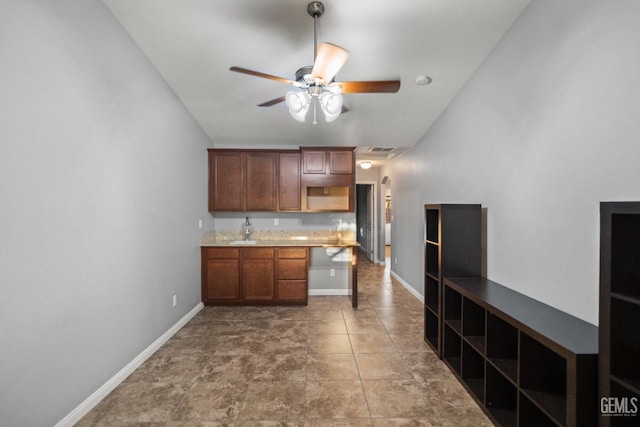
(244, 242)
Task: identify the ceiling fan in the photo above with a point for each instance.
(315, 83)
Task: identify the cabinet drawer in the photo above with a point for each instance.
(258, 253)
(292, 290)
(292, 253)
(223, 253)
(292, 269)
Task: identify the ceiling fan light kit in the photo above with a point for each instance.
(316, 83)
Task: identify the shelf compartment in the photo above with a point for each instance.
(625, 256)
(432, 293)
(473, 324)
(432, 219)
(452, 349)
(502, 346)
(625, 341)
(431, 327)
(501, 397)
(452, 306)
(548, 391)
(473, 371)
(432, 262)
(531, 416)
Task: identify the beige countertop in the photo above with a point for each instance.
(306, 238)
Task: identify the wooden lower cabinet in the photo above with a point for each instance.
(293, 270)
(258, 274)
(254, 276)
(220, 274)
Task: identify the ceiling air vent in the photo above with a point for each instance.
(381, 149)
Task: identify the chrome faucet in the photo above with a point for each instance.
(248, 229)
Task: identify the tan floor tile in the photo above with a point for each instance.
(178, 369)
(405, 422)
(137, 402)
(331, 367)
(327, 327)
(335, 399)
(280, 367)
(382, 366)
(329, 344)
(396, 399)
(211, 402)
(367, 326)
(410, 343)
(274, 401)
(233, 366)
(361, 422)
(378, 343)
(229, 369)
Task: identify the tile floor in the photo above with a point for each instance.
(326, 364)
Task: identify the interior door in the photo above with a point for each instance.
(364, 218)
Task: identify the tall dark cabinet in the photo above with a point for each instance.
(452, 248)
(619, 373)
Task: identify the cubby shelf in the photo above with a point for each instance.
(619, 373)
(524, 362)
(452, 246)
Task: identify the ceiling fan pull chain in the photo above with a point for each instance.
(315, 122)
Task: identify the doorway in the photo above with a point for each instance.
(365, 219)
(388, 217)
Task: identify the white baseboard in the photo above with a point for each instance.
(325, 292)
(408, 287)
(95, 398)
(380, 262)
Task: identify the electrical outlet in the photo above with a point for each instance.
(200, 224)
(395, 260)
(276, 221)
(175, 300)
(332, 272)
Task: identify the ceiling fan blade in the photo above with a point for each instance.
(265, 76)
(380, 86)
(329, 60)
(272, 102)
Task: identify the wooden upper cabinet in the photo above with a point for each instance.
(314, 161)
(226, 181)
(289, 182)
(261, 181)
(341, 162)
(243, 180)
(278, 180)
(327, 161)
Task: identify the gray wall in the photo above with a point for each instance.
(102, 182)
(546, 129)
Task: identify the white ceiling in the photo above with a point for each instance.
(193, 43)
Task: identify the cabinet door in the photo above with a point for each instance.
(289, 182)
(258, 279)
(341, 162)
(314, 161)
(226, 181)
(261, 182)
(222, 280)
(258, 274)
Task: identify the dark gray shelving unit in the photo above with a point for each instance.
(619, 373)
(452, 248)
(525, 362)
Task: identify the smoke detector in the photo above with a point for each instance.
(423, 80)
